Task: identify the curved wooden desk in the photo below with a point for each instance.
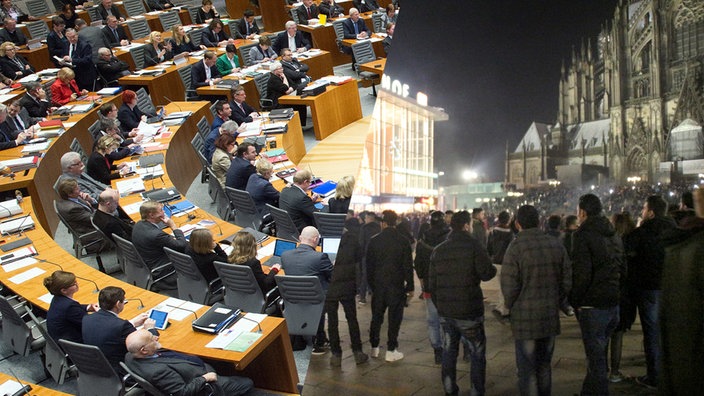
(37, 390)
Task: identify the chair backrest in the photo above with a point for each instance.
(262, 82)
(94, 130)
(55, 359)
(246, 214)
(197, 142)
(303, 303)
(137, 54)
(94, 14)
(377, 23)
(78, 238)
(95, 374)
(15, 331)
(185, 74)
(285, 227)
(234, 25)
(78, 148)
(139, 28)
(246, 57)
(192, 286)
(134, 7)
(38, 29)
(143, 383)
(330, 224)
(169, 19)
(203, 128)
(193, 12)
(363, 52)
(195, 35)
(294, 16)
(222, 202)
(136, 271)
(241, 288)
(339, 32)
(38, 8)
(144, 101)
(213, 111)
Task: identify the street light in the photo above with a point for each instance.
(469, 174)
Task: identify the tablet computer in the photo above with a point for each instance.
(160, 317)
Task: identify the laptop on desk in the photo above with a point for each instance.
(162, 195)
(279, 249)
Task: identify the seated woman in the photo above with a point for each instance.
(262, 52)
(260, 189)
(245, 253)
(65, 315)
(156, 51)
(389, 16)
(129, 146)
(64, 89)
(100, 165)
(129, 113)
(206, 12)
(340, 203)
(180, 42)
(68, 14)
(204, 251)
(13, 65)
(225, 145)
(228, 62)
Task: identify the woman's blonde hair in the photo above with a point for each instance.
(175, 36)
(244, 248)
(152, 36)
(201, 241)
(4, 45)
(345, 187)
(106, 142)
(262, 165)
(65, 73)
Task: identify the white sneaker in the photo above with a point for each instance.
(392, 356)
(375, 352)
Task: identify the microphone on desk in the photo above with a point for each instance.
(251, 320)
(185, 309)
(174, 103)
(91, 281)
(141, 304)
(41, 260)
(214, 221)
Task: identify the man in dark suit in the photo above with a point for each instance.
(11, 33)
(150, 240)
(77, 211)
(296, 201)
(307, 11)
(291, 38)
(34, 100)
(306, 261)
(390, 275)
(110, 67)
(366, 5)
(18, 120)
(114, 33)
(247, 28)
(72, 168)
(354, 28)
(176, 373)
(8, 137)
(110, 218)
(92, 35)
(389, 36)
(214, 36)
(159, 5)
(331, 8)
(241, 111)
(295, 71)
(106, 8)
(79, 54)
(205, 72)
(106, 330)
(241, 167)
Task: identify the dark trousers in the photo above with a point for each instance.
(597, 325)
(348, 304)
(473, 332)
(533, 359)
(382, 299)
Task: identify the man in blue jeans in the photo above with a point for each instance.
(535, 278)
(597, 267)
(457, 268)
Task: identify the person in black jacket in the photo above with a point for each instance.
(340, 203)
(370, 227)
(56, 40)
(331, 9)
(129, 114)
(11, 33)
(100, 165)
(499, 238)
(457, 268)
(34, 100)
(244, 252)
(105, 219)
(8, 139)
(390, 275)
(204, 251)
(342, 290)
(247, 28)
(110, 67)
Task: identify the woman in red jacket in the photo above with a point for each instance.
(65, 89)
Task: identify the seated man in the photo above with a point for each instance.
(175, 373)
(11, 33)
(247, 28)
(205, 72)
(18, 119)
(114, 33)
(242, 166)
(389, 37)
(10, 136)
(77, 211)
(295, 200)
(354, 28)
(241, 111)
(106, 330)
(214, 36)
(159, 5)
(307, 11)
(331, 8)
(295, 71)
(366, 5)
(34, 100)
(228, 126)
(110, 218)
(291, 38)
(150, 240)
(73, 167)
(110, 67)
(107, 8)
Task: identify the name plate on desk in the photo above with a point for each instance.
(35, 43)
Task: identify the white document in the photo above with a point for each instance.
(265, 251)
(225, 338)
(33, 148)
(132, 208)
(129, 186)
(146, 129)
(25, 262)
(9, 387)
(47, 298)
(27, 275)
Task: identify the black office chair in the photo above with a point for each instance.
(303, 298)
(330, 224)
(192, 286)
(285, 227)
(246, 214)
(21, 336)
(136, 271)
(56, 363)
(262, 82)
(95, 374)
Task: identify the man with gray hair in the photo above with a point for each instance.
(294, 199)
(78, 54)
(73, 167)
(11, 33)
(291, 38)
(224, 127)
(7, 138)
(110, 67)
(34, 100)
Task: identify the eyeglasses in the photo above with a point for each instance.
(79, 163)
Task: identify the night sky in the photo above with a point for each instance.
(493, 65)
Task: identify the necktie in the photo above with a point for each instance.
(241, 108)
(356, 29)
(18, 121)
(114, 31)
(308, 9)
(70, 53)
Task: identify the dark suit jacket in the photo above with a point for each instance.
(108, 332)
(198, 74)
(83, 65)
(204, 262)
(296, 73)
(16, 37)
(389, 262)
(10, 127)
(64, 318)
(276, 88)
(262, 193)
(282, 41)
(366, 5)
(238, 115)
(10, 67)
(150, 56)
(56, 46)
(129, 118)
(303, 14)
(87, 184)
(7, 137)
(157, 5)
(298, 205)
(121, 226)
(209, 39)
(113, 68)
(305, 261)
(242, 28)
(150, 242)
(332, 11)
(171, 375)
(266, 282)
(239, 172)
(110, 37)
(104, 13)
(100, 170)
(348, 28)
(35, 108)
(77, 215)
(387, 44)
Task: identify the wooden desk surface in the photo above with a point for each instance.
(162, 88)
(335, 108)
(324, 37)
(38, 57)
(37, 390)
(375, 66)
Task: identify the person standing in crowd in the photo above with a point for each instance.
(457, 268)
(597, 263)
(535, 279)
(390, 276)
(369, 228)
(478, 230)
(499, 238)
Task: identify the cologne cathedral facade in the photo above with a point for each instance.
(631, 102)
